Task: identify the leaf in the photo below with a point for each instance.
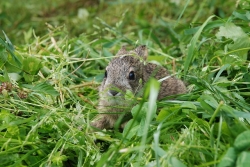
(32, 65)
(240, 38)
(3, 56)
(203, 125)
(45, 88)
(5, 76)
(130, 131)
(151, 164)
(6, 117)
(140, 114)
(222, 83)
(231, 31)
(208, 103)
(223, 68)
(175, 162)
(246, 77)
(10, 48)
(163, 114)
(136, 112)
(13, 130)
(229, 158)
(236, 127)
(12, 65)
(140, 117)
(248, 15)
(12, 121)
(242, 141)
(14, 76)
(235, 113)
(58, 159)
(28, 78)
(243, 159)
(131, 128)
(6, 159)
(189, 105)
(242, 16)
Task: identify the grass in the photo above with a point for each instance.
(53, 59)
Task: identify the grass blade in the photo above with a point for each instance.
(192, 47)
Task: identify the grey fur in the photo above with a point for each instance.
(117, 82)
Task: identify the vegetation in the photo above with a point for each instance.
(52, 59)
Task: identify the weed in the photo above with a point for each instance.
(52, 59)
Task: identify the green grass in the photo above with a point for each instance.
(52, 59)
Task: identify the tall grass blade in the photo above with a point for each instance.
(192, 47)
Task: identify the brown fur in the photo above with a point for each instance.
(117, 82)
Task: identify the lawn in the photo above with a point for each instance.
(53, 56)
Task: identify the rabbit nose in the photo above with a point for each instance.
(113, 92)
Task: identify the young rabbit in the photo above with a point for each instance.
(128, 71)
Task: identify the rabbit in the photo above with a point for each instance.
(129, 72)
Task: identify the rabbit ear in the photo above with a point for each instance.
(122, 51)
(142, 51)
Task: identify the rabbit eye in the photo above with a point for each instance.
(106, 74)
(131, 75)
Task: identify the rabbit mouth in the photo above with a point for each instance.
(115, 102)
